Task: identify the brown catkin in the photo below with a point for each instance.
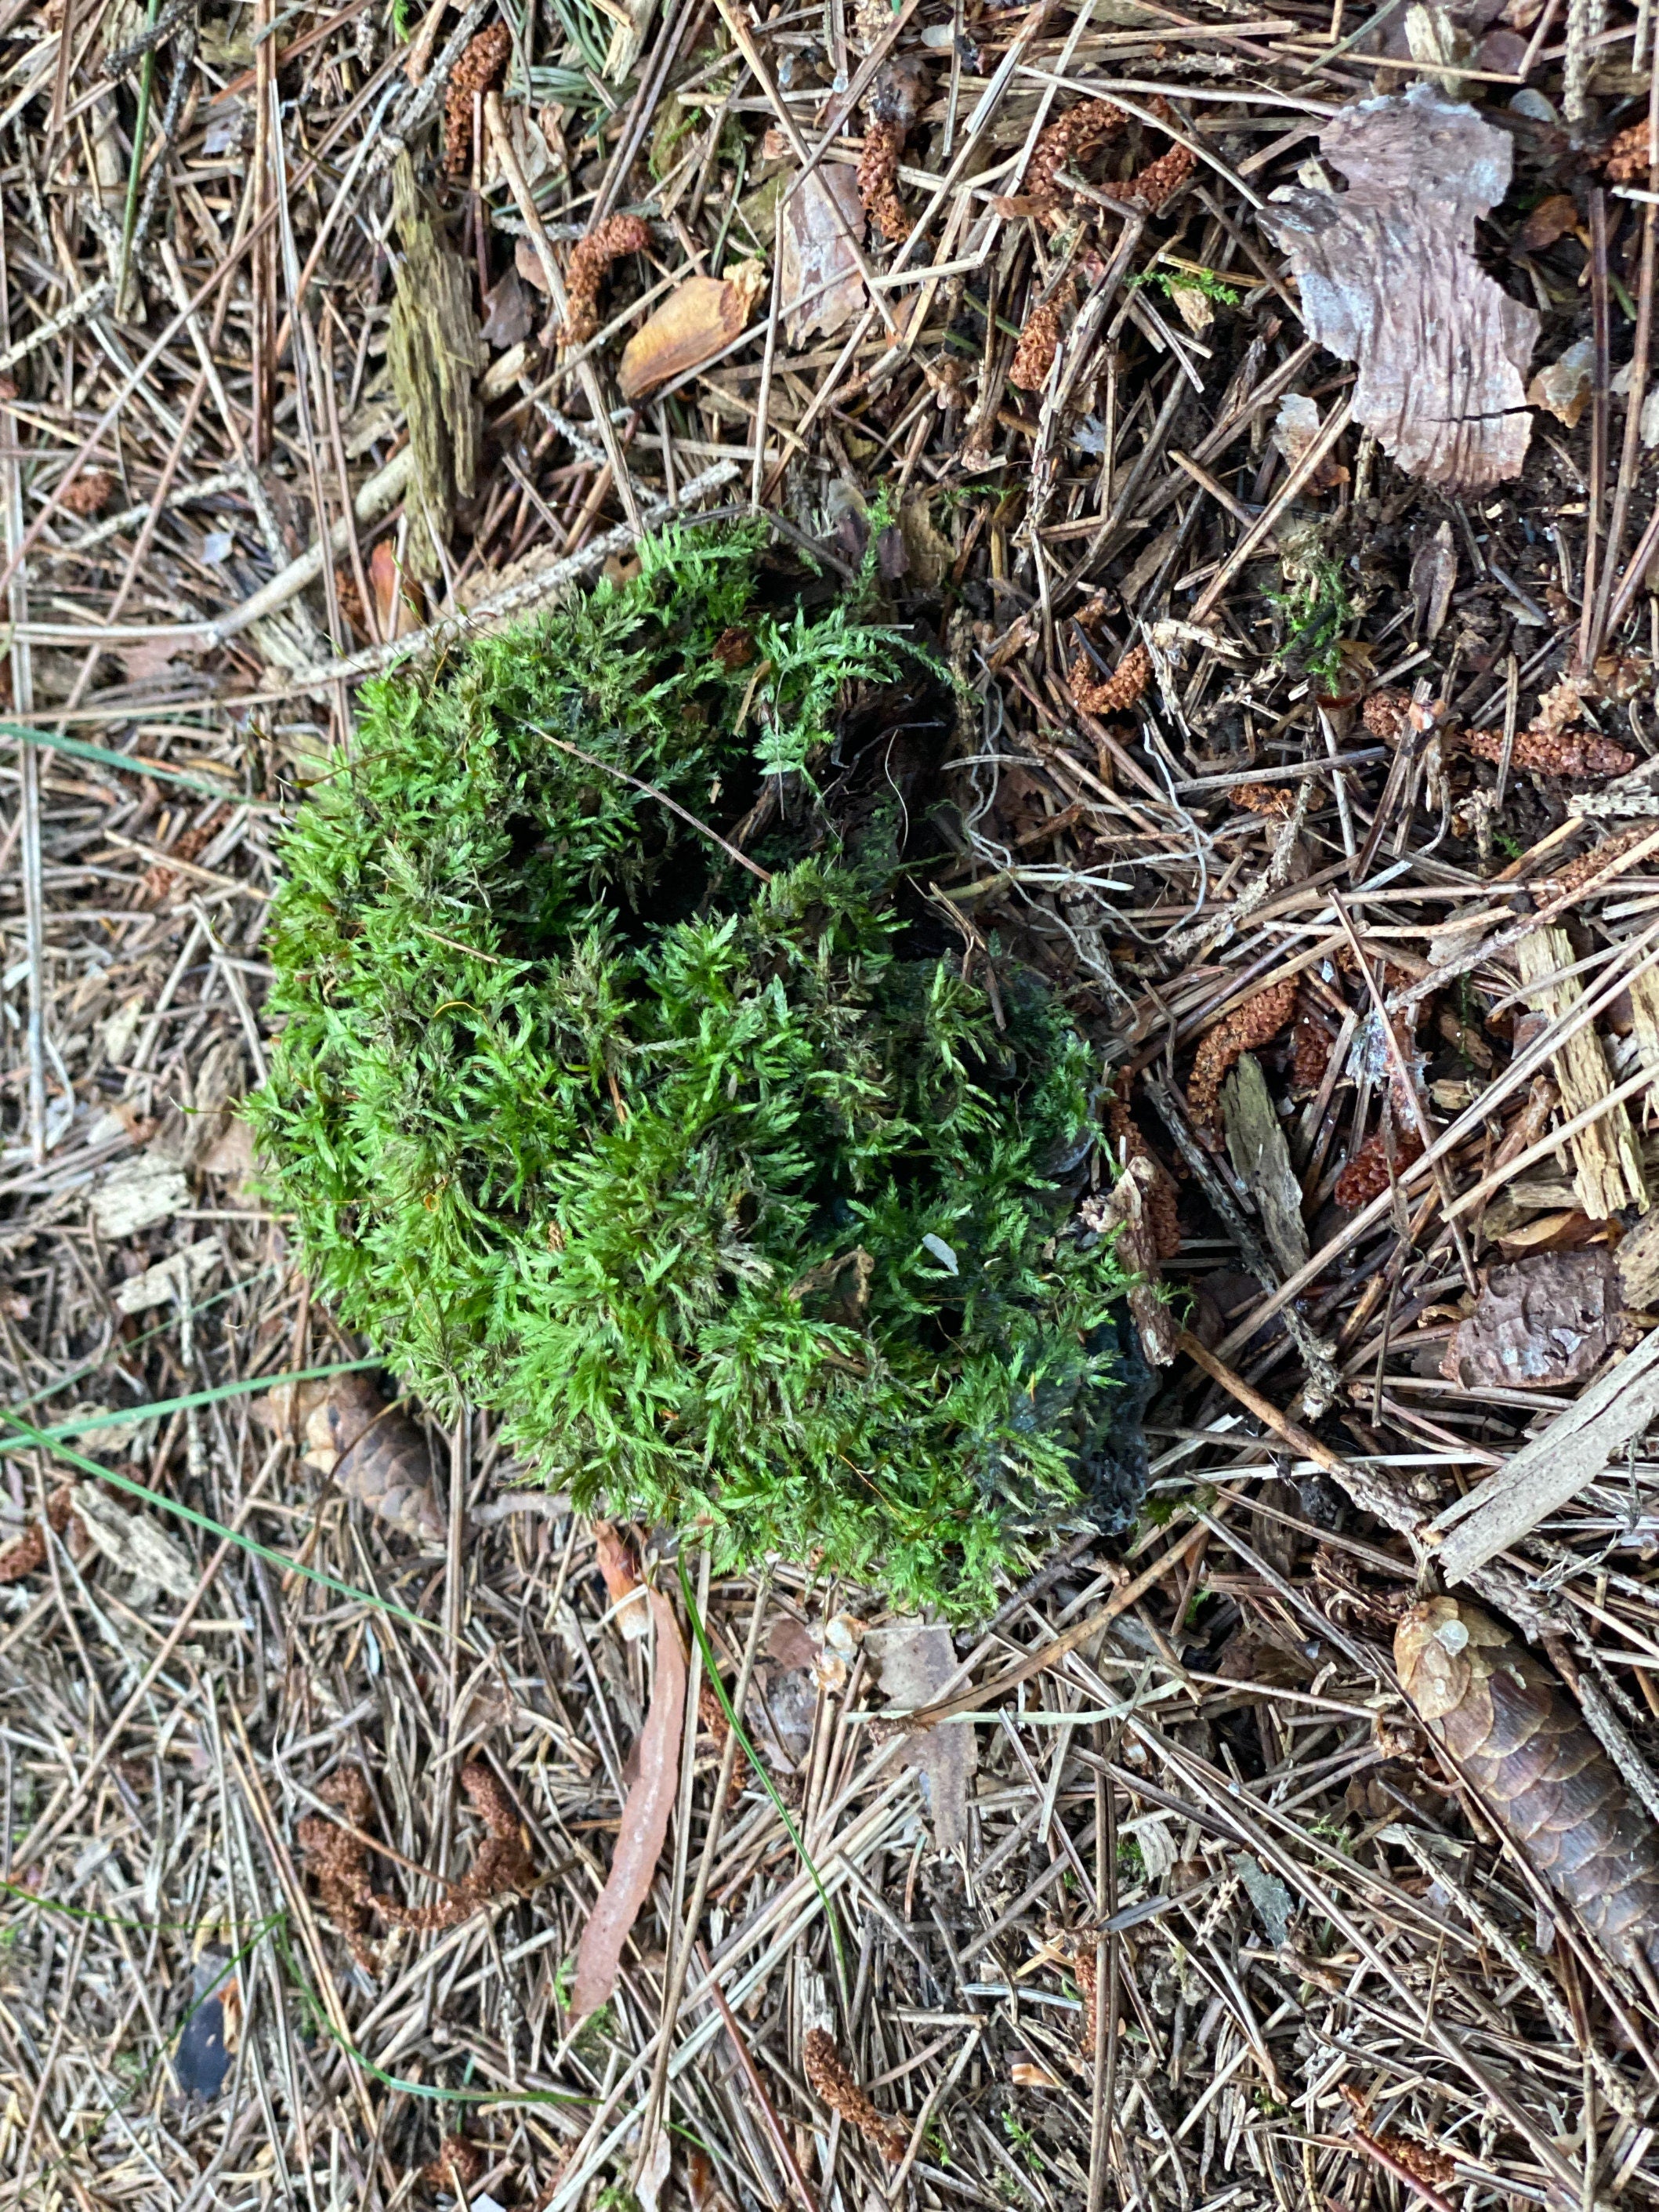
(590, 257)
(501, 1865)
(1366, 1176)
(1039, 342)
(1072, 137)
(1154, 184)
(832, 2084)
(1255, 1023)
(481, 67)
(1591, 863)
(1274, 798)
(877, 177)
(1629, 156)
(90, 493)
(1384, 714)
(1118, 692)
(457, 2167)
(337, 1861)
(1310, 1054)
(1571, 753)
(27, 1554)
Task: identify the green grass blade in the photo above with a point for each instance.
(123, 1416)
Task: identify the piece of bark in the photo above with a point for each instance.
(1389, 279)
(1543, 1323)
(916, 1659)
(1554, 1467)
(1637, 1260)
(1262, 1159)
(1128, 1211)
(822, 285)
(433, 351)
(1607, 1156)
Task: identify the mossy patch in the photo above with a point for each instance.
(736, 1200)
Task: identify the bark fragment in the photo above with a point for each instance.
(1388, 278)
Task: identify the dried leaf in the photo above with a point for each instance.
(397, 610)
(916, 1660)
(1563, 388)
(508, 318)
(1542, 1323)
(615, 1557)
(644, 1823)
(1534, 1769)
(1550, 220)
(822, 288)
(1295, 428)
(700, 317)
(1389, 279)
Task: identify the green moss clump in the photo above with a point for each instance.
(739, 1213)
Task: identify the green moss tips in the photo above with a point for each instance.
(735, 1199)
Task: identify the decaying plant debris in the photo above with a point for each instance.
(1288, 611)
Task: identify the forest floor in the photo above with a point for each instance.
(1273, 741)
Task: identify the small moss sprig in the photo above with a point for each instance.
(738, 1212)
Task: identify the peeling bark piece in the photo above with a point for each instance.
(1389, 279)
(916, 1660)
(1262, 1159)
(433, 352)
(1129, 1212)
(1575, 1448)
(1545, 1322)
(822, 285)
(1534, 1769)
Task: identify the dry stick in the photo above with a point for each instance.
(1598, 455)
(1630, 459)
(514, 598)
(28, 767)
(782, 2146)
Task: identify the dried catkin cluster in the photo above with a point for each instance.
(1629, 156)
(833, 2085)
(1385, 714)
(590, 257)
(1367, 1175)
(501, 1864)
(1257, 1022)
(1571, 753)
(1310, 1054)
(1039, 342)
(29, 1554)
(481, 67)
(337, 1861)
(890, 108)
(457, 2167)
(89, 493)
(1117, 692)
(1274, 798)
(1071, 138)
(1589, 864)
(1151, 186)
